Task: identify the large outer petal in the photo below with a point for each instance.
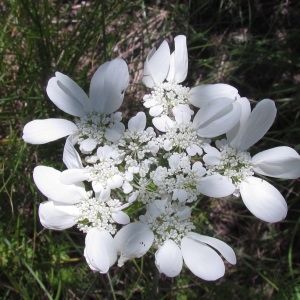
(258, 123)
(202, 260)
(67, 95)
(71, 157)
(263, 200)
(58, 216)
(47, 180)
(133, 241)
(100, 251)
(156, 66)
(74, 176)
(178, 61)
(246, 110)
(47, 130)
(203, 94)
(279, 162)
(217, 118)
(108, 86)
(226, 251)
(215, 186)
(168, 259)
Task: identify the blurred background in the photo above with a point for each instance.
(252, 45)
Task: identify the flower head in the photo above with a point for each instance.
(106, 95)
(233, 161)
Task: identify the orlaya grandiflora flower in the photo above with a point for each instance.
(261, 198)
(106, 96)
(64, 210)
(220, 108)
(162, 221)
(161, 66)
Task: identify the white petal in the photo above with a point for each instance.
(88, 145)
(72, 176)
(150, 103)
(133, 241)
(71, 157)
(156, 66)
(180, 194)
(192, 151)
(279, 162)
(103, 195)
(162, 123)
(168, 145)
(215, 186)
(58, 216)
(211, 159)
(178, 61)
(246, 110)
(258, 123)
(217, 118)
(47, 130)
(115, 132)
(97, 187)
(202, 260)
(115, 181)
(67, 95)
(120, 217)
(157, 208)
(137, 123)
(104, 152)
(226, 251)
(127, 187)
(168, 259)
(182, 113)
(156, 110)
(203, 94)
(100, 251)
(263, 200)
(47, 180)
(108, 86)
(174, 161)
(198, 169)
(184, 212)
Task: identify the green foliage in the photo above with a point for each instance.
(253, 45)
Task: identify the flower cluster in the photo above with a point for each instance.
(130, 188)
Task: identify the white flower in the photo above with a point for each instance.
(69, 204)
(106, 96)
(261, 198)
(100, 251)
(175, 242)
(198, 254)
(160, 66)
